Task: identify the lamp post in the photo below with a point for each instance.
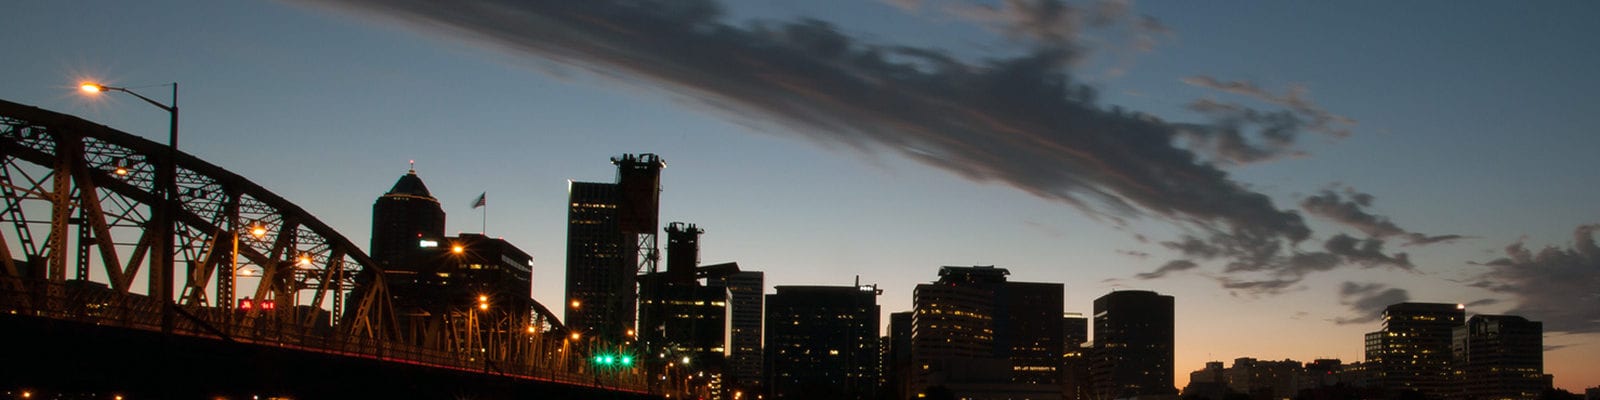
(256, 231)
(161, 271)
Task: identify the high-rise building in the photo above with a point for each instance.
(678, 316)
(897, 359)
(600, 280)
(745, 294)
(610, 240)
(1074, 363)
(1133, 337)
(1028, 331)
(407, 222)
(1412, 351)
(685, 320)
(981, 337)
(822, 342)
(1499, 357)
(402, 220)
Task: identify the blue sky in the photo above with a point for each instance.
(1469, 119)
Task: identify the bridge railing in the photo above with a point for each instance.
(94, 303)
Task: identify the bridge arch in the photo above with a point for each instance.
(78, 196)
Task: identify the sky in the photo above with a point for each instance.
(1285, 170)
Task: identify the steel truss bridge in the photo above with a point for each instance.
(78, 264)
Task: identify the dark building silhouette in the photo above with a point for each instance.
(1412, 351)
(1133, 352)
(471, 291)
(600, 280)
(407, 228)
(1269, 380)
(746, 291)
(1028, 331)
(402, 220)
(981, 337)
(1074, 361)
(1208, 383)
(822, 342)
(610, 240)
(685, 320)
(683, 251)
(488, 281)
(897, 357)
(678, 316)
(1499, 357)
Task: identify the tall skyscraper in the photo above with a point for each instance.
(897, 359)
(746, 290)
(1499, 357)
(1133, 337)
(402, 220)
(600, 282)
(610, 240)
(822, 342)
(1074, 363)
(1028, 331)
(1412, 352)
(981, 337)
(407, 225)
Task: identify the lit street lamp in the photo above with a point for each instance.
(166, 183)
(256, 231)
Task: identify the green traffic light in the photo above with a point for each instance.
(627, 360)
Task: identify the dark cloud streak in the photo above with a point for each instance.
(1367, 301)
(1558, 286)
(1170, 267)
(1022, 121)
(1352, 212)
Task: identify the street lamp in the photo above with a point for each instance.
(166, 183)
(256, 231)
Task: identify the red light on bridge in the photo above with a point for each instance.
(246, 304)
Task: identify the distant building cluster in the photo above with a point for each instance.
(714, 332)
(1424, 350)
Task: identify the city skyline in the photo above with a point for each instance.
(484, 114)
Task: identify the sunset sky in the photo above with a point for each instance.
(1284, 169)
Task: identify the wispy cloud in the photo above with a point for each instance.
(1021, 121)
(1349, 209)
(1170, 267)
(1296, 99)
(1265, 265)
(1367, 301)
(1559, 286)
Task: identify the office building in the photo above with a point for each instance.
(897, 368)
(1133, 339)
(610, 240)
(1074, 361)
(407, 222)
(746, 291)
(822, 342)
(403, 219)
(981, 337)
(1499, 357)
(1413, 350)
